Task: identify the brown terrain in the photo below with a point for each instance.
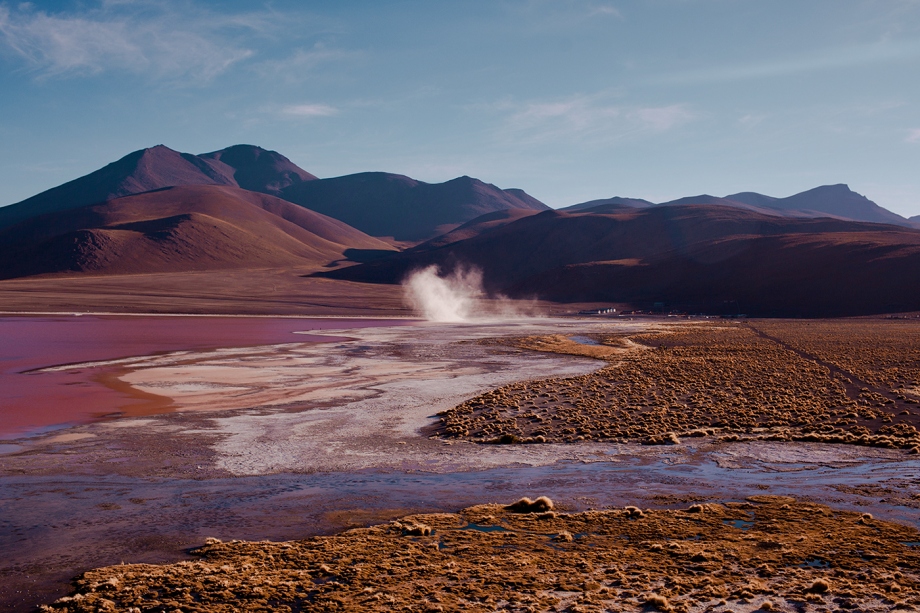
(690, 257)
(769, 553)
(174, 229)
(267, 291)
(852, 382)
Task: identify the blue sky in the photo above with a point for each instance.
(570, 100)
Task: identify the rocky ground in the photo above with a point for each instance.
(852, 383)
(769, 553)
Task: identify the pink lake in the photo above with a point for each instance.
(32, 402)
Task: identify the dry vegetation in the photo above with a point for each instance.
(767, 554)
(843, 382)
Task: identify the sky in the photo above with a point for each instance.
(569, 100)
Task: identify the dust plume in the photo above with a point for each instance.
(457, 297)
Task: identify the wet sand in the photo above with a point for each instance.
(144, 489)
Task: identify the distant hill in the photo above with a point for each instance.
(836, 201)
(199, 227)
(158, 167)
(609, 204)
(384, 204)
(691, 257)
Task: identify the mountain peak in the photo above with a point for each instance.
(258, 169)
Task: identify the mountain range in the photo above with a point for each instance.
(837, 201)
(826, 251)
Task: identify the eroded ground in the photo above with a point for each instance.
(852, 382)
(769, 553)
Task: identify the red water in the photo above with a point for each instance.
(31, 402)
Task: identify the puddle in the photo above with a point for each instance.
(815, 563)
(584, 340)
(740, 524)
(481, 528)
(911, 543)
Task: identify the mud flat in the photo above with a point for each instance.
(299, 440)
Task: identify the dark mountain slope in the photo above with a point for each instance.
(475, 227)
(383, 204)
(791, 275)
(688, 256)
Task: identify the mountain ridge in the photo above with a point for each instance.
(836, 200)
(387, 204)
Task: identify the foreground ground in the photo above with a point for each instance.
(769, 553)
(336, 435)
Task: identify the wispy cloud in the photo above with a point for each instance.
(301, 62)
(605, 9)
(751, 120)
(822, 59)
(661, 118)
(308, 110)
(589, 118)
(138, 37)
(913, 136)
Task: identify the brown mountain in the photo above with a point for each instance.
(834, 200)
(158, 167)
(693, 257)
(384, 204)
(198, 227)
(475, 227)
(258, 169)
(837, 201)
(377, 203)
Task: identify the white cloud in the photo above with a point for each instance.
(751, 120)
(820, 59)
(589, 118)
(301, 62)
(662, 118)
(141, 38)
(605, 10)
(913, 136)
(309, 110)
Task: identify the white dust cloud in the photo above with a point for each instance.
(457, 297)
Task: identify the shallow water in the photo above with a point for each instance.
(35, 402)
(50, 527)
